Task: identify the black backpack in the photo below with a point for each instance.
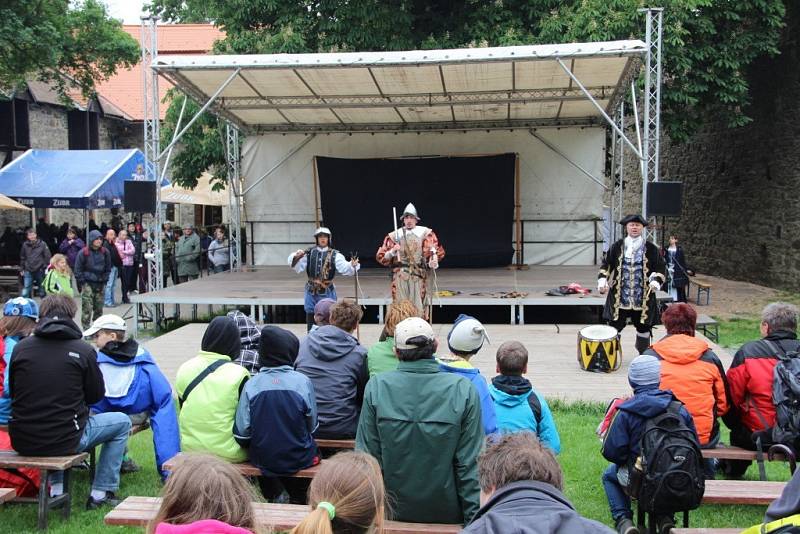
(670, 468)
(786, 398)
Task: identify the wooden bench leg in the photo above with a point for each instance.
(44, 500)
(66, 508)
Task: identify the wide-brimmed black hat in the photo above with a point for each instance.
(634, 218)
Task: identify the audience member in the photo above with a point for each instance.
(205, 495)
(92, 269)
(34, 256)
(187, 251)
(621, 445)
(381, 356)
(168, 253)
(691, 370)
(521, 485)
(276, 415)
(126, 252)
(219, 257)
(750, 379)
(517, 405)
(116, 267)
(208, 391)
(464, 341)
(346, 497)
(322, 313)
(71, 246)
(205, 244)
(136, 237)
(336, 364)
(58, 278)
(54, 379)
(678, 271)
(135, 386)
(249, 335)
(19, 320)
(424, 428)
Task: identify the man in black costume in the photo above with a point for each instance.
(633, 270)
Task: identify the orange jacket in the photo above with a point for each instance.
(696, 377)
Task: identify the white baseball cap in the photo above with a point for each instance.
(409, 329)
(106, 322)
(467, 334)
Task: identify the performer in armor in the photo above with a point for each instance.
(633, 270)
(321, 263)
(412, 251)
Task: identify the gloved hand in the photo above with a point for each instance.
(654, 285)
(602, 285)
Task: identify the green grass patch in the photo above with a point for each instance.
(580, 459)
(736, 331)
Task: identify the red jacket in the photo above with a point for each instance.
(696, 377)
(750, 378)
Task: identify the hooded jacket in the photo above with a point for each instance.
(277, 411)
(696, 376)
(135, 384)
(7, 345)
(622, 442)
(336, 364)
(465, 369)
(70, 250)
(54, 379)
(207, 415)
(206, 526)
(249, 334)
(750, 378)
(34, 256)
(187, 250)
(531, 507)
(57, 283)
(518, 408)
(92, 266)
(114, 253)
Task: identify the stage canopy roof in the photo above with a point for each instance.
(71, 178)
(420, 90)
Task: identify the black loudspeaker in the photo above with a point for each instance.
(140, 196)
(664, 199)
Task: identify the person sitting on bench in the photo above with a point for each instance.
(54, 379)
(209, 386)
(521, 484)
(381, 356)
(276, 416)
(249, 335)
(135, 386)
(18, 321)
(205, 494)
(346, 497)
(750, 378)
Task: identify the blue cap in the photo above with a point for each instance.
(21, 307)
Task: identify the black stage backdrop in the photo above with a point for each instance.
(467, 201)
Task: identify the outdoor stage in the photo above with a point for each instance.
(280, 286)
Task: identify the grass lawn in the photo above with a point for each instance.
(580, 460)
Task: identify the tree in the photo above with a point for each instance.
(68, 46)
(708, 44)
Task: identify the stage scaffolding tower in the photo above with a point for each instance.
(234, 199)
(652, 104)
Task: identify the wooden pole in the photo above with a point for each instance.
(517, 210)
(316, 194)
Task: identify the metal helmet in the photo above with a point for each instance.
(410, 210)
(322, 230)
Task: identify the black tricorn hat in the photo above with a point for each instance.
(634, 218)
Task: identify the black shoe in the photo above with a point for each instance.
(625, 526)
(664, 524)
(128, 466)
(109, 500)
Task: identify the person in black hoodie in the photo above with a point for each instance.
(54, 379)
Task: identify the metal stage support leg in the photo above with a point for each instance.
(652, 104)
(234, 197)
(521, 314)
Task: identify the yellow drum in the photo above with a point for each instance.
(599, 349)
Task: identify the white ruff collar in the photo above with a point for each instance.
(632, 244)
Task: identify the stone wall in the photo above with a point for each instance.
(741, 209)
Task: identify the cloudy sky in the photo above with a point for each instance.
(127, 10)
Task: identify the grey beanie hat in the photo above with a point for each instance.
(645, 370)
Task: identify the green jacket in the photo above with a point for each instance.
(424, 428)
(55, 283)
(187, 250)
(206, 417)
(381, 357)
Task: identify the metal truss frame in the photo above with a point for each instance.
(233, 160)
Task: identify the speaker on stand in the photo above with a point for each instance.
(140, 197)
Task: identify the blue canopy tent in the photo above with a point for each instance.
(82, 179)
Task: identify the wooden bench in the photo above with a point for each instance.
(138, 511)
(336, 443)
(708, 326)
(6, 494)
(706, 530)
(45, 465)
(742, 492)
(703, 287)
(247, 469)
(738, 453)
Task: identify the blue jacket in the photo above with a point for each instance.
(276, 415)
(5, 398)
(519, 407)
(135, 384)
(622, 439)
(487, 405)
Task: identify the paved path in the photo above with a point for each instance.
(552, 365)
